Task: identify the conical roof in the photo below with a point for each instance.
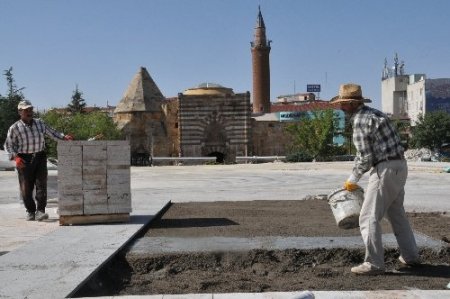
(141, 95)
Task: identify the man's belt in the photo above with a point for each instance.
(397, 157)
(31, 155)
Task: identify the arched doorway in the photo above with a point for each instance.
(220, 157)
(214, 142)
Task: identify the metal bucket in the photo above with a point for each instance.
(346, 206)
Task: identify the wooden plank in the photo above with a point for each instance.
(91, 219)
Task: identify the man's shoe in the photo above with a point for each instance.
(367, 268)
(413, 263)
(30, 216)
(41, 216)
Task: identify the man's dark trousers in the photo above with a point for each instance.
(33, 174)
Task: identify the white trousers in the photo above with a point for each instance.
(384, 197)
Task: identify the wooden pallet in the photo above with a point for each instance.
(91, 219)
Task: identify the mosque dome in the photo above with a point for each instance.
(207, 88)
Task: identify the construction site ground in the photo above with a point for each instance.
(45, 260)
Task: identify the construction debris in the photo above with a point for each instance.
(422, 154)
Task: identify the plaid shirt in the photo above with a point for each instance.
(28, 139)
(375, 139)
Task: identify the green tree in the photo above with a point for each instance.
(78, 103)
(313, 135)
(81, 127)
(403, 128)
(431, 130)
(347, 134)
(8, 105)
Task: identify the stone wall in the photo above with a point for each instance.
(171, 118)
(269, 138)
(147, 133)
(214, 125)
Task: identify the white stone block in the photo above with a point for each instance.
(94, 177)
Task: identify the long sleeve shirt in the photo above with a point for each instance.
(375, 139)
(28, 139)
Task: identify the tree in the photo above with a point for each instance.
(404, 129)
(431, 130)
(82, 126)
(313, 135)
(8, 105)
(77, 104)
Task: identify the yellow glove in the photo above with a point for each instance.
(349, 186)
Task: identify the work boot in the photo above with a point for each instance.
(413, 263)
(30, 216)
(41, 216)
(367, 268)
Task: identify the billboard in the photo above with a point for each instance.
(313, 87)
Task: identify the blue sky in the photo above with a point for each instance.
(53, 45)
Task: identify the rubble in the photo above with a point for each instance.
(422, 154)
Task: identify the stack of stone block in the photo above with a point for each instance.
(94, 178)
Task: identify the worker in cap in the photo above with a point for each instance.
(25, 144)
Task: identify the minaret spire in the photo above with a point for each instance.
(260, 48)
(260, 20)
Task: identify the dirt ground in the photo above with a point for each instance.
(266, 270)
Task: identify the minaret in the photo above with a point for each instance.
(261, 67)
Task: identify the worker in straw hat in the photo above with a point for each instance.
(25, 145)
(378, 149)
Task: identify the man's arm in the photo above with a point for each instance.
(11, 144)
(363, 144)
(53, 134)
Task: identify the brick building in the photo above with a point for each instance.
(210, 119)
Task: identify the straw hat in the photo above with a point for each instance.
(349, 92)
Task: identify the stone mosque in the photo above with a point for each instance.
(210, 119)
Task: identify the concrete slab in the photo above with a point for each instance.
(55, 265)
(282, 181)
(157, 245)
(46, 245)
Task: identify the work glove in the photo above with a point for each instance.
(350, 186)
(20, 163)
(68, 137)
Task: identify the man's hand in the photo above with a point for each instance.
(68, 137)
(20, 163)
(350, 186)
